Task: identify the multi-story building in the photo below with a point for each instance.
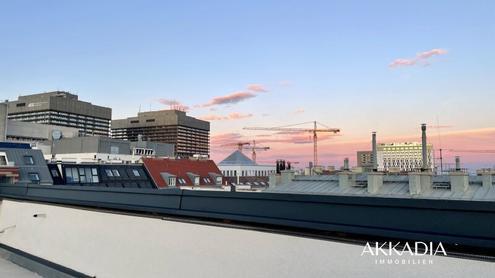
(365, 160)
(402, 156)
(3, 121)
(189, 135)
(62, 109)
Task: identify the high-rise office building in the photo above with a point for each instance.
(62, 109)
(365, 160)
(402, 156)
(190, 136)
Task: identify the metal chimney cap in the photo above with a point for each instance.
(423, 126)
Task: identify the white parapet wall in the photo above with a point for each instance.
(375, 182)
(104, 244)
(420, 182)
(459, 181)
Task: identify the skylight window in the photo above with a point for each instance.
(28, 160)
(34, 177)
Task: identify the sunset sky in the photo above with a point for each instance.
(360, 66)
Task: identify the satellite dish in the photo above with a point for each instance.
(56, 134)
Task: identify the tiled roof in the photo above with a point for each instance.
(237, 158)
(182, 169)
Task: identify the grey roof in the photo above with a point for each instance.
(237, 158)
(16, 155)
(393, 187)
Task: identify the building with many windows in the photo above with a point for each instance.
(61, 109)
(402, 157)
(365, 160)
(190, 136)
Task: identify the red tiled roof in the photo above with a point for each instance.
(180, 168)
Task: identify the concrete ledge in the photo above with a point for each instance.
(37, 265)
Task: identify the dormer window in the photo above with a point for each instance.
(34, 177)
(171, 181)
(28, 160)
(219, 180)
(196, 180)
(3, 159)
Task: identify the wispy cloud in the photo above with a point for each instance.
(421, 58)
(232, 98)
(259, 88)
(225, 138)
(251, 91)
(174, 104)
(231, 116)
(299, 111)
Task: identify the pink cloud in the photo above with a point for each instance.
(230, 99)
(231, 116)
(428, 54)
(333, 152)
(420, 58)
(174, 104)
(258, 88)
(299, 111)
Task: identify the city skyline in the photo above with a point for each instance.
(360, 67)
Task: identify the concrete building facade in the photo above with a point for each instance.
(403, 157)
(190, 136)
(3, 121)
(98, 148)
(61, 109)
(365, 160)
(33, 132)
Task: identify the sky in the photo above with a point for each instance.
(361, 66)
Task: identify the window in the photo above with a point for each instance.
(207, 180)
(219, 180)
(108, 172)
(171, 181)
(3, 159)
(196, 180)
(116, 172)
(136, 173)
(82, 175)
(54, 173)
(22, 104)
(135, 122)
(28, 160)
(150, 120)
(181, 181)
(71, 175)
(34, 177)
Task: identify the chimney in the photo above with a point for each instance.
(459, 181)
(424, 148)
(346, 164)
(375, 182)
(373, 149)
(286, 176)
(487, 180)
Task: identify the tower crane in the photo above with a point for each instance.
(240, 145)
(315, 130)
(255, 148)
(472, 151)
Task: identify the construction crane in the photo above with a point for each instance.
(240, 145)
(472, 151)
(315, 130)
(255, 148)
